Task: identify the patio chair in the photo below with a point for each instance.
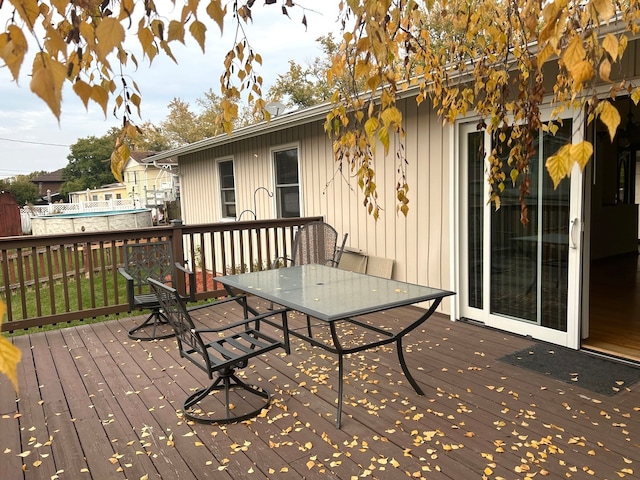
(229, 348)
(144, 260)
(315, 242)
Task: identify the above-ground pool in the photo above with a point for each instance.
(91, 222)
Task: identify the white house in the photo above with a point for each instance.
(150, 185)
(545, 280)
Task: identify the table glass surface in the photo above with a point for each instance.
(328, 293)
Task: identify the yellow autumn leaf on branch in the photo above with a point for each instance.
(198, 31)
(9, 354)
(582, 72)
(216, 12)
(559, 165)
(109, 35)
(13, 46)
(83, 90)
(610, 116)
(611, 45)
(176, 31)
(574, 53)
(581, 153)
(605, 8)
(47, 80)
(29, 11)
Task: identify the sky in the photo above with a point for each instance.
(32, 139)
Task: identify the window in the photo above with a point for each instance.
(108, 196)
(227, 189)
(287, 186)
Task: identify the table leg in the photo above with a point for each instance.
(340, 391)
(405, 369)
(338, 346)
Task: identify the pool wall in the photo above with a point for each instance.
(91, 222)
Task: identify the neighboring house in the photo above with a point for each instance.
(530, 280)
(49, 185)
(151, 185)
(113, 191)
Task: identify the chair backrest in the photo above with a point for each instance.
(144, 260)
(190, 343)
(316, 242)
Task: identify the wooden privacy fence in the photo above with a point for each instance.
(60, 278)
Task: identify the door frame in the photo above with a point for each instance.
(570, 338)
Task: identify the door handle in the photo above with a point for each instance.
(573, 224)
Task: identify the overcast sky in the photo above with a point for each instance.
(31, 138)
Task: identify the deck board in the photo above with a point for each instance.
(112, 405)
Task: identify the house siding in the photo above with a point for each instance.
(419, 244)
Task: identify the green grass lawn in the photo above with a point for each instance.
(91, 293)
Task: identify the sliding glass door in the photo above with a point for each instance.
(514, 276)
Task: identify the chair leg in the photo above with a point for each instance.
(153, 321)
(227, 411)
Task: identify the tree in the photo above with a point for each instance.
(305, 86)
(150, 139)
(486, 56)
(22, 188)
(89, 164)
(183, 125)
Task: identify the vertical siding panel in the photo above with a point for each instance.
(395, 233)
(417, 140)
(434, 221)
(419, 244)
(308, 175)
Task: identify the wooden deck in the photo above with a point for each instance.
(95, 405)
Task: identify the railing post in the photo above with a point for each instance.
(178, 252)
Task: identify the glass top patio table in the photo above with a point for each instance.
(332, 295)
(328, 293)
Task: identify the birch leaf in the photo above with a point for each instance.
(47, 80)
(559, 165)
(198, 32)
(109, 34)
(581, 153)
(13, 46)
(610, 44)
(217, 13)
(610, 116)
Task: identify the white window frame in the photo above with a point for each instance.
(278, 187)
(223, 215)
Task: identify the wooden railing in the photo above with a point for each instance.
(59, 278)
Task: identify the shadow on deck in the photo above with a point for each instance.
(96, 405)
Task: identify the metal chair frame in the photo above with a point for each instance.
(231, 348)
(315, 242)
(155, 260)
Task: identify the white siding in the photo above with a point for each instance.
(419, 244)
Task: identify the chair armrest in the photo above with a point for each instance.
(130, 292)
(125, 274)
(217, 302)
(242, 322)
(276, 262)
(191, 296)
